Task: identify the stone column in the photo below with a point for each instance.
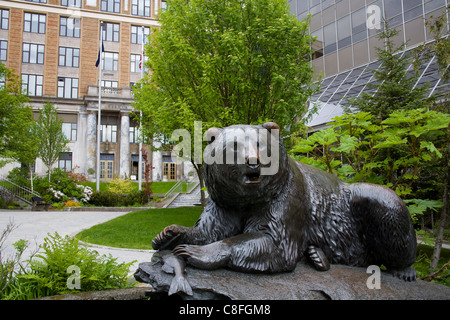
(157, 161)
(80, 156)
(91, 145)
(124, 159)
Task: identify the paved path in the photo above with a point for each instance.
(35, 225)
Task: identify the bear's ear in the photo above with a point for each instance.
(271, 125)
(211, 134)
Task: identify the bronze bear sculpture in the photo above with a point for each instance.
(268, 223)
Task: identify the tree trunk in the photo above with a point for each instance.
(30, 167)
(440, 235)
(198, 168)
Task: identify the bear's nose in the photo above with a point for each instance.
(252, 159)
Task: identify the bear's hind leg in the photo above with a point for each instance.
(407, 274)
(386, 227)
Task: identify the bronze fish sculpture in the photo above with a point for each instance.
(173, 264)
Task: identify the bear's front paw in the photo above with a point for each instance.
(168, 237)
(211, 256)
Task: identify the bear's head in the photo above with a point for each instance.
(244, 164)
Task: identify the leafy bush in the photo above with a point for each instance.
(71, 203)
(58, 205)
(50, 275)
(111, 199)
(394, 152)
(104, 199)
(20, 176)
(121, 186)
(61, 188)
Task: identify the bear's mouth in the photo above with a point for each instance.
(252, 177)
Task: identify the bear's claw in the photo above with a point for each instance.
(318, 258)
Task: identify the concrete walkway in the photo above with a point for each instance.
(35, 225)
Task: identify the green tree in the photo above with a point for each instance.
(52, 141)
(439, 173)
(394, 87)
(222, 63)
(16, 120)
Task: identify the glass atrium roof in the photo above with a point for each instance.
(336, 89)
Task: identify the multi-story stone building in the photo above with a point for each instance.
(53, 45)
(346, 41)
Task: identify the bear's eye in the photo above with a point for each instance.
(212, 139)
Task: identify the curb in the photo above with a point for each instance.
(102, 209)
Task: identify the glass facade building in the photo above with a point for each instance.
(346, 37)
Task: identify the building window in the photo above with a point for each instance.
(344, 32)
(37, 1)
(136, 34)
(69, 57)
(141, 8)
(32, 84)
(329, 32)
(110, 84)
(67, 88)
(110, 61)
(163, 5)
(69, 27)
(412, 9)
(134, 134)
(33, 53)
(431, 5)
(136, 62)
(359, 28)
(110, 6)
(135, 59)
(3, 50)
(317, 45)
(4, 19)
(108, 133)
(34, 22)
(111, 31)
(393, 12)
(70, 131)
(65, 161)
(71, 3)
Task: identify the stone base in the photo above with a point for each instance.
(304, 283)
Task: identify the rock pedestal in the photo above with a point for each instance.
(304, 283)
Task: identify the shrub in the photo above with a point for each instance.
(20, 176)
(135, 197)
(110, 199)
(104, 199)
(61, 188)
(120, 186)
(58, 205)
(50, 275)
(71, 203)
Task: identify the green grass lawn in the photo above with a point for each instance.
(137, 229)
(156, 186)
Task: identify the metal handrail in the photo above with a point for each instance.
(21, 192)
(178, 187)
